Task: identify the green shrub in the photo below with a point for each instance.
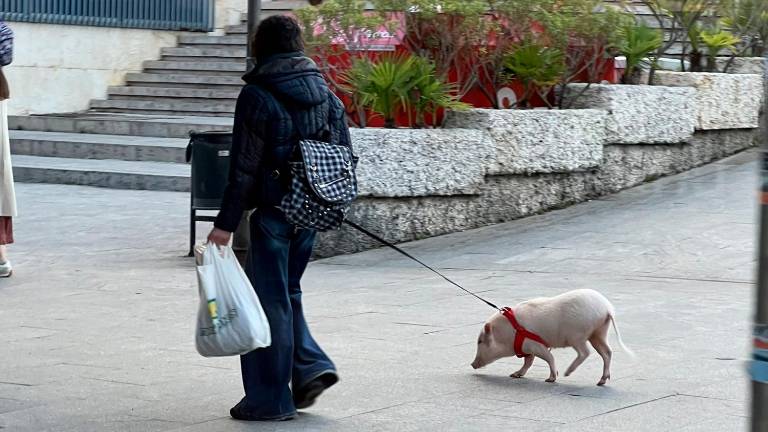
(430, 93)
(399, 83)
(538, 67)
(717, 40)
(639, 42)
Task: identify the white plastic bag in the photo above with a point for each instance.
(230, 320)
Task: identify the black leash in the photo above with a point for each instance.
(390, 245)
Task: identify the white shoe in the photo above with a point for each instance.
(6, 270)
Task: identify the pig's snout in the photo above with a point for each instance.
(474, 365)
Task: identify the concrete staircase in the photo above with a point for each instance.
(136, 138)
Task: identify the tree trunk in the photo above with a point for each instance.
(758, 50)
(711, 64)
(695, 59)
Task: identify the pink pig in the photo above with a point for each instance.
(535, 326)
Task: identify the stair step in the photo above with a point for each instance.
(212, 107)
(195, 67)
(216, 41)
(166, 126)
(123, 92)
(283, 5)
(229, 52)
(159, 113)
(115, 174)
(239, 60)
(95, 146)
(228, 82)
(239, 29)
(266, 13)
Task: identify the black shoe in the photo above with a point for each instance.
(305, 397)
(238, 412)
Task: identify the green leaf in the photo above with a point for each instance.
(640, 41)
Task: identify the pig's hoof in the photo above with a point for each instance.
(549, 380)
(517, 375)
(603, 380)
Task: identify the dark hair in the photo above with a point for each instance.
(277, 35)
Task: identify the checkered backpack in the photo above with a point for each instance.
(323, 185)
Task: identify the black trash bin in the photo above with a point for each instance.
(208, 152)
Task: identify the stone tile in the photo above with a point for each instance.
(723, 423)
(665, 413)
(9, 405)
(563, 408)
(105, 413)
(305, 422)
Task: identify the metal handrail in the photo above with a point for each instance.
(191, 15)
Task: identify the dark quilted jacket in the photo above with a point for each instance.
(265, 134)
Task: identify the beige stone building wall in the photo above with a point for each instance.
(60, 68)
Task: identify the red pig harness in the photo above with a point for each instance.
(521, 333)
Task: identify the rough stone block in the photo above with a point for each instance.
(539, 141)
(752, 65)
(640, 114)
(743, 65)
(421, 162)
(723, 101)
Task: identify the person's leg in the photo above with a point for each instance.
(267, 371)
(6, 237)
(309, 360)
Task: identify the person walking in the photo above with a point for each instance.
(7, 193)
(285, 99)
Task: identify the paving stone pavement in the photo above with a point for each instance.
(96, 327)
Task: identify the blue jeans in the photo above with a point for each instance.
(277, 258)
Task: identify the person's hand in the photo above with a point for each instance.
(219, 237)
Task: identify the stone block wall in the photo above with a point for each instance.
(496, 166)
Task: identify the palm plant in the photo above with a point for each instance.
(717, 40)
(399, 83)
(538, 67)
(384, 86)
(638, 43)
(429, 93)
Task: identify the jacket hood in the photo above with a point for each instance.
(292, 77)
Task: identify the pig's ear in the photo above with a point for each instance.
(487, 328)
